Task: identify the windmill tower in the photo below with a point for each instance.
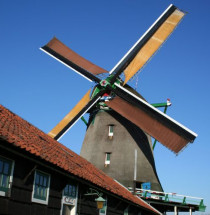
(117, 139)
(119, 148)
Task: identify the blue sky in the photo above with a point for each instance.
(42, 90)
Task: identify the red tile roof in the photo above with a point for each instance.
(22, 134)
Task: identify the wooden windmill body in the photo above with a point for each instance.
(127, 154)
(131, 160)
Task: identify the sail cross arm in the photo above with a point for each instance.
(166, 130)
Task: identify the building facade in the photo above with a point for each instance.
(38, 175)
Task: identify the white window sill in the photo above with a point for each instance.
(40, 201)
(2, 193)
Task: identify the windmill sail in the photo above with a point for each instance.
(123, 130)
(75, 114)
(166, 130)
(148, 44)
(65, 55)
(163, 128)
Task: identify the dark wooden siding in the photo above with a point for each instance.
(22, 186)
(19, 202)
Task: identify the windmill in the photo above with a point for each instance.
(122, 108)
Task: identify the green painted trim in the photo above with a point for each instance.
(157, 105)
(202, 207)
(165, 109)
(153, 147)
(103, 85)
(184, 201)
(96, 91)
(166, 198)
(83, 119)
(145, 194)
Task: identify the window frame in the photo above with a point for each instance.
(126, 211)
(35, 198)
(69, 195)
(107, 158)
(6, 191)
(111, 131)
(68, 200)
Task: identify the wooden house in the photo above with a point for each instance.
(39, 175)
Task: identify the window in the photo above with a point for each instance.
(6, 175)
(126, 211)
(70, 190)
(41, 186)
(111, 131)
(69, 200)
(107, 158)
